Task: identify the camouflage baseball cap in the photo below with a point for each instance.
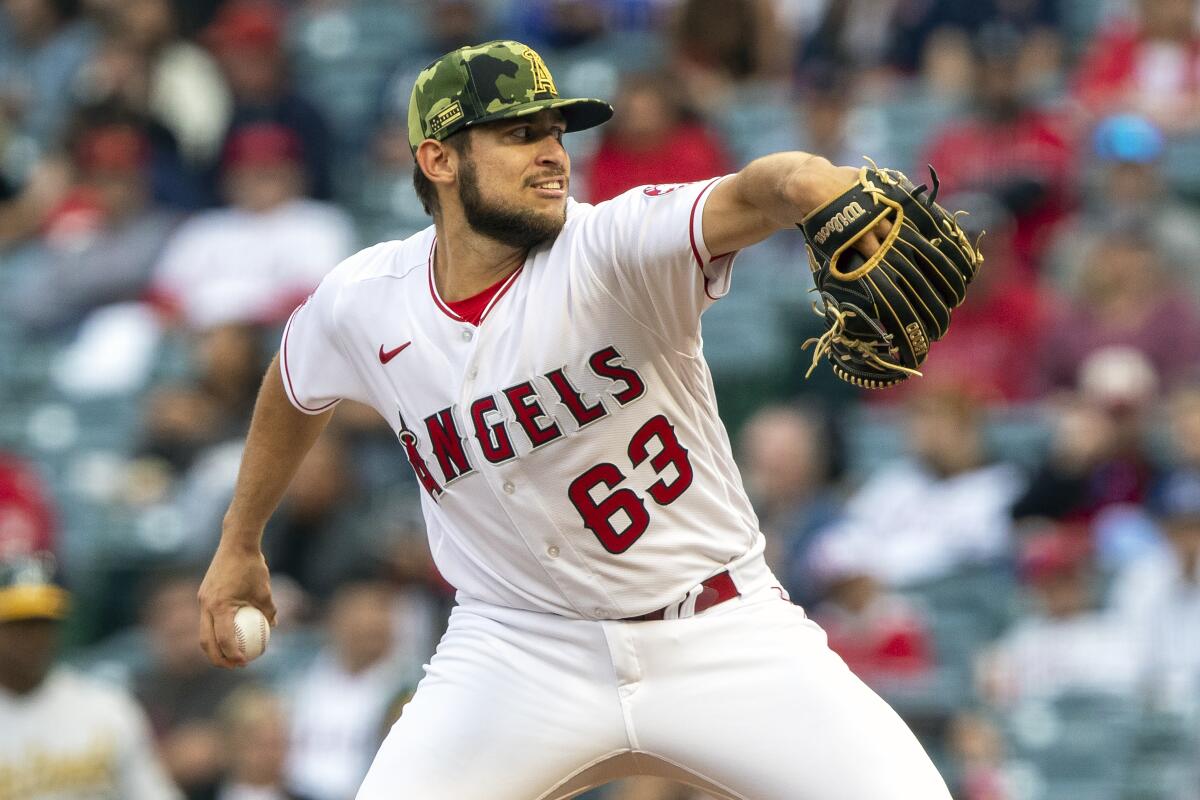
(487, 82)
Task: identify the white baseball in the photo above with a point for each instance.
(252, 630)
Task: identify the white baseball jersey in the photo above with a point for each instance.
(568, 445)
(76, 739)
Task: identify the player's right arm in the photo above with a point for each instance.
(280, 436)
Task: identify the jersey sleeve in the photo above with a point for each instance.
(647, 248)
(316, 371)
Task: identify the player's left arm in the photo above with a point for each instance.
(771, 194)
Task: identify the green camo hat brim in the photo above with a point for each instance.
(580, 114)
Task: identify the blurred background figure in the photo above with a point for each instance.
(150, 68)
(339, 703)
(180, 694)
(1124, 298)
(1008, 145)
(826, 116)
(1146, 64)
(977, 766)
(45, 44)
(1067, 644)
(943, 507)
(721, 48)
(651, 134)
(247, 39)
(1099, 457)
(1127, 181)
(1184, 409)
(104, 238)
(788, 463)
(313, 541)
(1159, 596)
(181, 422)
(255, 727)
(883, 637)
(560, 25)
(27, 518)
(62, 736)
(254, 261)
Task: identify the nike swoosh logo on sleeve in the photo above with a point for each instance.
(387, 355)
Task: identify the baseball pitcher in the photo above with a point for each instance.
(540, 362)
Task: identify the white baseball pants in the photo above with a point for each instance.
(744, 700)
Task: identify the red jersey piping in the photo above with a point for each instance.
(287, 373)
(498, 289)
(692, 237)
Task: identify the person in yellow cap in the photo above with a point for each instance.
(63, 736)
(540, 362)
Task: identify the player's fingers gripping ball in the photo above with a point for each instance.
(883, 312)
(252, 630)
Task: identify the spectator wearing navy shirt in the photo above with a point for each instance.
(247, 40)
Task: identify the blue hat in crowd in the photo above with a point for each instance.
(1128, 138)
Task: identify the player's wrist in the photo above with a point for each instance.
(814, 182)
(241, 539)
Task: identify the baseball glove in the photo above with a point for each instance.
(884, 311)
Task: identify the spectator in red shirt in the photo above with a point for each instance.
(1008, 147)
(1149, 65)
(652, 142)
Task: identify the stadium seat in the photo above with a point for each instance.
(1078, 744)
(1162, 759)
(761, 119)
(343, 54)
(910, 119)
(1181, 165)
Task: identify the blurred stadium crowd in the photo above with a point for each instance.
(1008, 550)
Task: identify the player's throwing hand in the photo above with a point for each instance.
(234, 579)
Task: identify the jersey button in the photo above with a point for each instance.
(552, 551)
(509, 487)
(466, 335)
(473, 373)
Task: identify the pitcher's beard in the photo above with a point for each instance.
(515, 227)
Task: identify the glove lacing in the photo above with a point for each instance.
(836, 335)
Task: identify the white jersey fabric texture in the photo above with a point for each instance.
(77, 739)
(569, 446)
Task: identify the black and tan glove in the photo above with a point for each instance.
(883, 312)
